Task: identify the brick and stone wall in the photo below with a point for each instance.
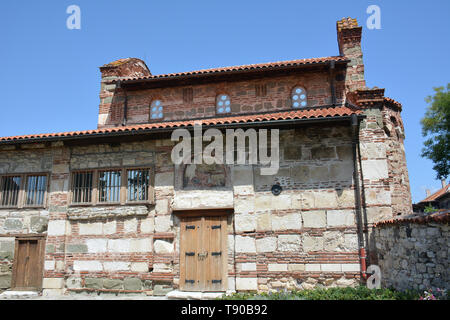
(413, 255)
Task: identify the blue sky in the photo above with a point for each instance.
(50, 78)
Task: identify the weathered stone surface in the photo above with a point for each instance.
(246, 284)
(163, 223)
(116, 266)
(77, 248)
(93, 283)
(56, 228)
(267, 244)
(314, 219)
(311, 243)
(263, 221)
(5, 281)
(96, 245)
(291, 221)
(38, 224)
(139, 266)
(336, 218)
(375, 169)
(163, 246)
(132, 284)
(245, 244)
(13, 224)
(87, 265)
(148, 225)
(73, 282)
(112, 284)
(245, 222)
(161, 290)
(288, 242)
(89, 213)
(53, 283)
(90, 228)
(130, 225)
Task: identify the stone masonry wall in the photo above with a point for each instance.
(28, 159)
(303, 237)
(414, 256)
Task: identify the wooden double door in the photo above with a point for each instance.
(28, 264)
(203, 253)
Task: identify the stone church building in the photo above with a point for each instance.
(108, 211)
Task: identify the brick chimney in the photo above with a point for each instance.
(349, 40)
(112, 98)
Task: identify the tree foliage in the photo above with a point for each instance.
(436, 127)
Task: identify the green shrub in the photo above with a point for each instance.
(358, 293)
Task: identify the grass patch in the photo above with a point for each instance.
(358, 293)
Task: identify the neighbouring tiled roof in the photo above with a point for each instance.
(440, 216)
(310, 113)
(436, 195)
(248, 67)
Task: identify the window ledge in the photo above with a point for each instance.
(88, 212)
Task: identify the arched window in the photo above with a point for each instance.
(223, 104)
(156, 110)
(299, 97)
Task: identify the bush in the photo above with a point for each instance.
(358, 293)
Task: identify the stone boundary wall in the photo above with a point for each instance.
(414, 254)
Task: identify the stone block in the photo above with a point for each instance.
(337, 218)
(289, 242)
(378, 196)
(148, 225)
(5, 281)
(161, 290)
(319, 174)
(96, 245)
(130, 225)
(162, 267)
(245, 222)
(312, 267)
(93, 283)
(245, 244)
(141, 245)
(116, 266)
(311, 243)
(291, 221)
(139, 267)
(277, 267)
(56, 228)
(162, 206)
(112, 284)
(53, 283)
(346, 198)
(375, 169)
(246, 284)
(80, 265)
(351, 267)
(73, 283)
(38, 224)
(49, 265)
(163, 223)
(249, 266)
(244, 205)
(163, 246)
(76, 248)
(314, 219)
(263, 221)
(341, 171)
(267, 244)
(95, 228)
(296, 267)
(325, 199)
(263, 202)
(132, 284)
(331, 267)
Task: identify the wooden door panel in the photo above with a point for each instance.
(27, 268)
(203, 253)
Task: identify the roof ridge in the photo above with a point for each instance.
(244, 66)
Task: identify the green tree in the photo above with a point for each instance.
(436, 127)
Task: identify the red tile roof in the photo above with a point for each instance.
(310, 113)
(440, 216)
(249, 67)
(437, 194)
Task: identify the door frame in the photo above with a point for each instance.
(193, 213)
(41, 245)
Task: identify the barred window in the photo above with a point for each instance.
(223, 104)
(9, 192)
(156, 110)
(137, 184)
(35, 190)
(109, 183)
(82, 187)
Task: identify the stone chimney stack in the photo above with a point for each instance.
(349, 40)
(112, 107)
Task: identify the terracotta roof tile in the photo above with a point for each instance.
(310, 113)
(440, 216)
(260, 66)
(437, 194)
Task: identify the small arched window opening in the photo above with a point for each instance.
(299, 98)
